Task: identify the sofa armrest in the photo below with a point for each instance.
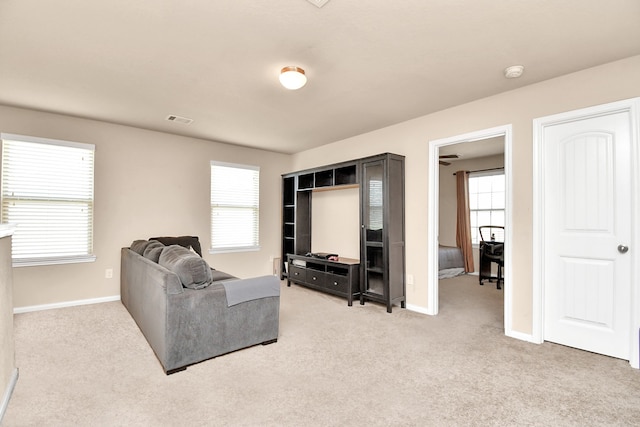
(200, 325)
(244, 290)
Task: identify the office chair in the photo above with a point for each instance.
(491, 251)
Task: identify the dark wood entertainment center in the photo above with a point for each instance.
(379, 274)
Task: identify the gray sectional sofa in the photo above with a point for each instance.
(189, 312)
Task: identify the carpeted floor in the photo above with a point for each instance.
(333, 365)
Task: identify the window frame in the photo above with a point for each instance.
(51, 258)
(479, 174)
(254, 228)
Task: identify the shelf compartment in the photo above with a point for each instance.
(324, 178)
(289, 214)
(374, 283)
(289, 231)
(346, 175)
(306, 181)
(288, 190)
(375, 260)
(288, 246)
(337, 271)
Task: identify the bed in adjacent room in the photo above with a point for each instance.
(450, 262)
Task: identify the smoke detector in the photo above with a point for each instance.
(178, 119)
(514, 71)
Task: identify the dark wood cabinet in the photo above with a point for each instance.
(297, 191)
(339, 278)
(382, 249)
(380, 273)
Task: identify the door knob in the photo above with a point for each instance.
(623, 249)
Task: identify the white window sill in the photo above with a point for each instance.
(33, 262)
(232, 250)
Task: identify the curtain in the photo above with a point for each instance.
(463, 224)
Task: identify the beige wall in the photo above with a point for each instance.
(146, 183)
(335, 225)
(610, 82)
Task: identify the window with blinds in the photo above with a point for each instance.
(47, 192)
(486, 201)
(235, 207)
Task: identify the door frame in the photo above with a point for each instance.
(633, 107)
(433, 215)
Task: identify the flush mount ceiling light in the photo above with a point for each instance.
(292, 77)
(514, 71)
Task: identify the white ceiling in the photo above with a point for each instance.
(474, 149)
(370, 63)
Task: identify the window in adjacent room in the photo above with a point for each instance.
(47, 192)
(486, 200)
(235, 207)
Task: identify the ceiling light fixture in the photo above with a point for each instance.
(292, 77)
(514, 71)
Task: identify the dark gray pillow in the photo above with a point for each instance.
(193, 271)
(153, 250)
(189, 242)
(138, 246)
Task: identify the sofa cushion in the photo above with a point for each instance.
(193, 271)
(218, 276)
(189, 242)
(153, 250)
(138, 246)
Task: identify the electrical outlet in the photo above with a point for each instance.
(108, 273)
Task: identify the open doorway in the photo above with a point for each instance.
(485, 153)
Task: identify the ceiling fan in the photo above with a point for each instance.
(447, 156)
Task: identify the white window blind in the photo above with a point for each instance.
(486, 201)
(47, 192)
(235, 207)
(375, 204)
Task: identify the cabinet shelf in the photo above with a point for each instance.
(374, 244)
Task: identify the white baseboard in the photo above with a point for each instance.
(7, 394)
(418, 309)
(521, 336)
(65, 304)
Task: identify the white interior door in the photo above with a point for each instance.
(587, 217)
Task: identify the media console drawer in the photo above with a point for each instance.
(297, 273)
(340, 278)
(315, 277)
(337, 283)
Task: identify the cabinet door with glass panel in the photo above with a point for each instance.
(373, 228)
(382, 243)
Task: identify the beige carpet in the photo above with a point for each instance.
(332, 366)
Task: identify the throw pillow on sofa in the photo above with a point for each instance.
(153, 250)
(193, 271)
(189, 242)
(138, 246)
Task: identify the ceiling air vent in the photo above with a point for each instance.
(318, 3)
(179, 119)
